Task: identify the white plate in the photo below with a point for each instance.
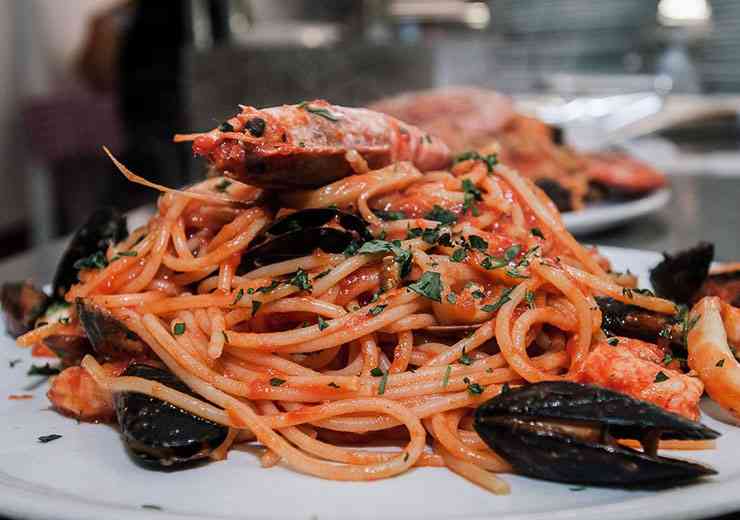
(608, 215)
(87, 475)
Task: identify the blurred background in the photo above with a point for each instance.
(80, 74)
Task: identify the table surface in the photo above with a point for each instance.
(702, 207)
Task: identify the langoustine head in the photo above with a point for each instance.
(305, 145)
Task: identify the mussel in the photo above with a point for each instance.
(678, 277)
(559, 194)
(22, 305)
(566, 432)
(300, 233)
(110, 339)
(103, 227)
(631, 321)
(159, 434)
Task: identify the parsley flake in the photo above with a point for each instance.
(720, 363)
(458, 255)
(537, 232)
(478, 243)
(322, 323)
(383, 382)
(96, 260)
(376, 372)
(493, 307)
(429, 285)
(374, 311)
(239, 296)
(256, 304)
(276, 381)
(300, 280)
(222, 186)
(323, 112)
(178, 328)
(43, 370)
(452, 298)
(660, 377)
(442, 215)
(613, 341)
(446, 378)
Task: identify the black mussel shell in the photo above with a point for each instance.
(559, 194)
(110, 338)
(678, 277)
(158, 433)
(104, 227)
(631, 321)
(69, 349)
(293, 245)
(317, 217)
(521, 425)
(22, 305)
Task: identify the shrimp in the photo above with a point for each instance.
(268, 147)
(710, 355)
(623, 173)
(633, 368)
(75, 393)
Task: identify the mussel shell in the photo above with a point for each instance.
(317, 217)
(103, 227)
(559, 194)
(631, 321)
(110, 338)
(295, 244)
(158, 433)
(69, 349)
(22, 305)
(514, 424)
(678, 277)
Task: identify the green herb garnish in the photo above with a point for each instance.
(276, 381)
(442, 215)
(318, 111)
(458, 255)
(383, 382)
(613, 341)
(178, 328)
(493, 307)
(390, 215)
(446, 378)
(537, 232)
(96, 260)
(452, 298)
(43, 370)
(256, 304)
(478, 243)
(720, 363)
(376, 372)
(429, 285)
(239, 296)
(322, 323)
(300, 280)
(374, 311)
(660, 377)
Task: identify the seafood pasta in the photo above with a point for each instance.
(384, 303)
(469, 118)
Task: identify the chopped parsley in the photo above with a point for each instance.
(383, 382)
(478, 295)
(239, 296)
(429, 285)
(489, 263)
(465, 358)
(300, 280)
(537, 232)
(256, 304)
(667, 359)
(458, 255)
(322, 323)
(529, 298)
(390, 215)
(96, 260)
(178, 329)
(512, 252)
(123, 253)
(478, 243)
(402, 256)
(48, 438)
(446, 378)
(374, 311)
(627, 293)
(318, 111)
(613, 341)
(43, 370)
(276, 381)
(473, 388)
(442, 215)
(322, 274)
(472, 195)
(267, 288)
(660, 377)
(222, 186)
(226, 127)
(491, 160)
(720, 363)
(493, 307)
(452, 298)
(376, 372)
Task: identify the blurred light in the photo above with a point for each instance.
(313, 37)
(684, 12)
(477, 15)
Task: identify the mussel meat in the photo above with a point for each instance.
(22, 305)
(300, 233)
(103, 227)
(159, 434)
(110, 338)
(565, 432)
(631, 321)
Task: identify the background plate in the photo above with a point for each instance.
(608, 215)
(87, 475)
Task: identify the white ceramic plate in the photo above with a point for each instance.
(608, 215)
(87, 475)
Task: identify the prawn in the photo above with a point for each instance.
(710, 354)
(267, 147)
(633, 367)
(623, 173)
(75, 393)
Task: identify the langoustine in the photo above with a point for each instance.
(267, 147)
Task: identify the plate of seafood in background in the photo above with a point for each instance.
(592, 190)
(53, 467)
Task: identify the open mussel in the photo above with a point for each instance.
(566, 432)
(159, 434)
(631, 321)
(22, 305)
(102, 228)
(109, 337)
(300, 233)
(678, 277)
